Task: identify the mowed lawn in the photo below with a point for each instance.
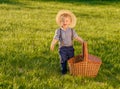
(26, 31)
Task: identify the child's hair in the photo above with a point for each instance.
(65, 15)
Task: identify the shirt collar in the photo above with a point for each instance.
(66, 29)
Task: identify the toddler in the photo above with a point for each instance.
(65, 35)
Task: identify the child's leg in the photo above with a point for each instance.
(64, 67)
(63, 58)
(70, 52)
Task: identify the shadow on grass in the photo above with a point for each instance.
(16, 3)
(27, 5)
(12, 2)
(86, 2)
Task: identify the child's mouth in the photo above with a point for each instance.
(64, 24)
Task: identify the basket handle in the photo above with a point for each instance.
(85, 51)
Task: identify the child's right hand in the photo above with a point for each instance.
(54, 41)
(51, 47)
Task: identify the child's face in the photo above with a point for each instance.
(65, 22)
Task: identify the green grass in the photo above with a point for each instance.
(26, 31)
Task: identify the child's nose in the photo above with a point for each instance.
(65, 22)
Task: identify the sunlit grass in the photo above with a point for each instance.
(26, 30)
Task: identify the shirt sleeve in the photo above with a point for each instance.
(75, 34)
(57, 35)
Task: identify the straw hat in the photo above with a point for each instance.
(73, 17)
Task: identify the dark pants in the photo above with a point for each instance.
(65, 54)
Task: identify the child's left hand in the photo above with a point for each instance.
(79, 39)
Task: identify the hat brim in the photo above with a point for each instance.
(73, 17)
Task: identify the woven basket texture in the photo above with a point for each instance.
(84, 64)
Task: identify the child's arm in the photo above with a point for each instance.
(79, 39)
(54, 41)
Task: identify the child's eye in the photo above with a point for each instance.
(66, 20)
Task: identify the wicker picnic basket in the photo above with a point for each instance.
(84, 64)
